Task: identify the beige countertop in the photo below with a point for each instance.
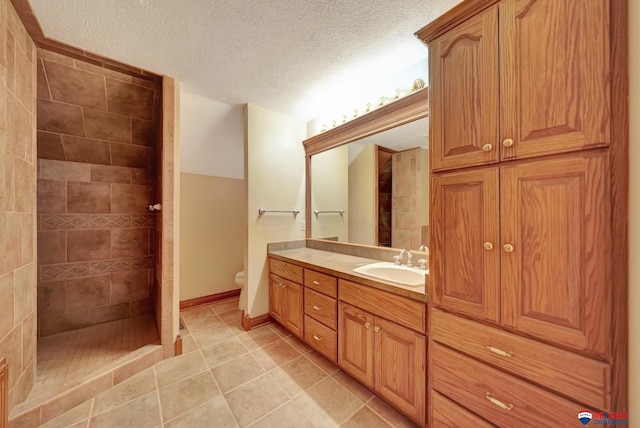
(342, 265)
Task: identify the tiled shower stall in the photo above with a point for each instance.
(97, 138)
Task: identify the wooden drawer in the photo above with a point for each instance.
(322, 308)
(321, 282)
(575, 376)
(407, 312)
(286, 270)
(448, 414)
(495, 396)
(321, 338)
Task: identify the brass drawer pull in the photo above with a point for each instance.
(498, 402)
(317, 338)
(367, 325)
(316, 283)
(487, 148)
(499, 351)
(317, 308)
(376, 329)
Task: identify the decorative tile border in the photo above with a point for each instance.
(85, 269)
(92, 221)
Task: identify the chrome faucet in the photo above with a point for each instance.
(424, 248)
(398, 259)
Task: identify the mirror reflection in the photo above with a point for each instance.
(381, 183)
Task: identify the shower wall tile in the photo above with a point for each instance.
(110, 174)
(97, 132)
(6, 295)
(52, 247)
(131, 100)
(73, 86)
(130, 243)
(107, 126)
(50, 146)
(130, 198)
(24, 281)
(52, 196)
(88, 197)
(87, 292)
(78, 149)
(60, 118)
(130, 155)
(85, 245)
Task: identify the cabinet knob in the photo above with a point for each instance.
(317, 338)
(508, 248)
(488, 246)
(497, 402)
(508, 142)
(376, 329)
(367, 325)
(317, 308)
(487, 147)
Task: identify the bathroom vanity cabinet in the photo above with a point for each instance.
(376, 336)
(286, 295)
(528, 151)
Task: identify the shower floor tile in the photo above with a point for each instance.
(68, 356)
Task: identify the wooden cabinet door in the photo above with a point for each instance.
(464, 106)
(400, 368)
(294, 308)
(355, 343)
(465, 256)
(556, 218)
(276, 299)
(554, 76)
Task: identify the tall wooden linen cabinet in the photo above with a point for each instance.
(528, 148)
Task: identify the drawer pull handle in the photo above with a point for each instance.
(499, 351)
(316, 282)
(498, 402)
(317, 338)
(376, 329)
(317, 308)
(367, 325)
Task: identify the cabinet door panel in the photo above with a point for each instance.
(554, 76)
(556, 215)
(276, 299)
(294, 304)
(401, 367)
(464, 93)
(355, 343)
(464, 275)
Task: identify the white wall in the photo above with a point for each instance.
(330, 188)
(274, 179)
(211, 137)
(634, 213)
(212, 172)
(363, 179)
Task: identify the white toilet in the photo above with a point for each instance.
(240, 281)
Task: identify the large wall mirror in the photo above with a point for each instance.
(368, 180)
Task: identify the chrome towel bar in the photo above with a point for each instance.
(316, 212)
(294, 211)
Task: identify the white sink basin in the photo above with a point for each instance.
(387, 271)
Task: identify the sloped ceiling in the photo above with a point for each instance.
(278, 54)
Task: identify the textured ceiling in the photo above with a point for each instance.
(278, 54)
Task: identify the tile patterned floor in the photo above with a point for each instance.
(231, 378)
(65, 357)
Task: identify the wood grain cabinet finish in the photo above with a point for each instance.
(495, 396)
(465, 268)
(321, 338)
(384, 356)
(520, 79)
(556, 217)
(326, 284)
(321, 307)
(449, 414)
(286, 304)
